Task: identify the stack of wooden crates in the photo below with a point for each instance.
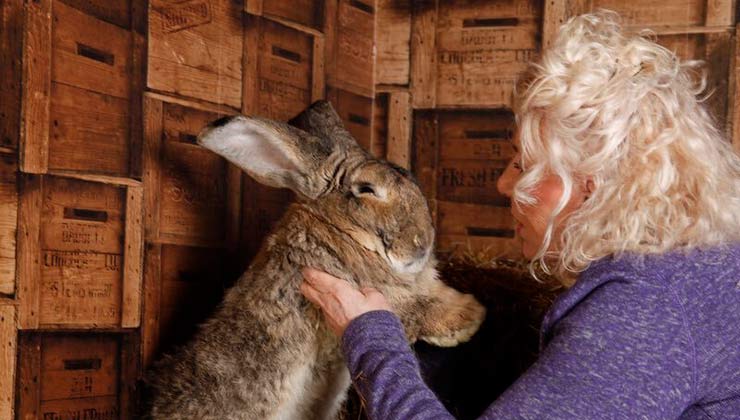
(118, 233)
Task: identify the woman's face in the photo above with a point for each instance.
(532, 220)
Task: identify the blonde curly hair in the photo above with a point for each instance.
(626, 113)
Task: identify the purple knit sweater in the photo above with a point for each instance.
(635, 338)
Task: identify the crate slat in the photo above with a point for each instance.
(305, 15)
(8, 222)
(195, 49)
(391, 133)
(8, 337)
(34, 146)
(11, 51)
(393, 37)
(423, 56)
(350, 39)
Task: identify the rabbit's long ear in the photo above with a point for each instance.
(271, 152)
(321, 120)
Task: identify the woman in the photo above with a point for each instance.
(622, 180)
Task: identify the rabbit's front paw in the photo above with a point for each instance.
(455, 322)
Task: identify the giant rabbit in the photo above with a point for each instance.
(266, 353)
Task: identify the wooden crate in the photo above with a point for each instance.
(8, 337)
(393, 37)
(76, 376)
(356, 112)
(11, 51)
(350, 45)
(192, 194)
(183, 285)
(195, 49)
(306, 15)
(469, 54)
(458, 158)
(79, 253)
(82, 82)
(8, 222)
(392, 127)
(284, 70)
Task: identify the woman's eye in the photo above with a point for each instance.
(517, 166)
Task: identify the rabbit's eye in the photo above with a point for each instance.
(364, 188)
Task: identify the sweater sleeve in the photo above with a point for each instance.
(619, 354)
(385, 371)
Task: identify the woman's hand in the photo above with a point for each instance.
(338, 300)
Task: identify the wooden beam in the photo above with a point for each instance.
(152, 299)
(423, 58)
(399, 129)
(29, 251)
(35, 101)
(8, 337)
(318, 72)
(555, 14)
(133, 258)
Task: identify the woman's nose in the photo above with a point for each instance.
(505, 183)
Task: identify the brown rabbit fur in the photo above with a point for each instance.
(266, 352)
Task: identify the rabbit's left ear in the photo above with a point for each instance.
(273, 153)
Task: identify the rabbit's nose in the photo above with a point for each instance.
(420, 253)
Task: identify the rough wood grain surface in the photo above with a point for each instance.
(459, 156)
(11, 52)
(29, 250)
(74, 375)
(195, 49)
(399, 129)
(306, 14)
(73, 249)
(189, 188)
(423, 58)
(8, 337)
(350, 29)
(133, 258)
(8, 222)
(393, 38)
(356, 112)
(36, 82)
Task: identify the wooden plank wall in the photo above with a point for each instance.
(119, 234)
(464, 58)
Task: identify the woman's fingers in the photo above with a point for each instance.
(338, 299)
(313, 295)
(320, 280)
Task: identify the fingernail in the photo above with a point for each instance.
(307, 273)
